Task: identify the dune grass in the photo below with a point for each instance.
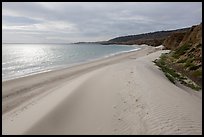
(173, 75)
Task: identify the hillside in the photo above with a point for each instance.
(185, 56)
(152, 39)
(173, 41)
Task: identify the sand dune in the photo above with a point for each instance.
(126, 94)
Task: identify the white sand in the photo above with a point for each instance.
(126, 94)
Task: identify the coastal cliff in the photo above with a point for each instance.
(185, 56)
(173, 41)
(153, 38)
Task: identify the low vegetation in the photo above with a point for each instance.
(181, 50)
(175, 76)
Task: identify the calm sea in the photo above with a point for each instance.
(24, 59)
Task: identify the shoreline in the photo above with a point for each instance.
(18, 87)
(60, 67)
(124, 94)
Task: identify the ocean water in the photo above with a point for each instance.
(25, 59)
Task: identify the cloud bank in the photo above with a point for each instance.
(41, 22)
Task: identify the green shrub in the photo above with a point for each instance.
(189, 63)
(170, 77)
(163, 56)
(173, 73)
(195, 87)
(170, 73)
(173, 76)
(182, 60)
(193, 67)
(197, 73)
(181, 50)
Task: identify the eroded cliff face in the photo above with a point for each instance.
(193, 36)
(173, 41)
(186, 54)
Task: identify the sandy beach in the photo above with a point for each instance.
(123, 94)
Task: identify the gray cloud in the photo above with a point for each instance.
(71, 22)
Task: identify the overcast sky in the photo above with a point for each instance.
(72, 22)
